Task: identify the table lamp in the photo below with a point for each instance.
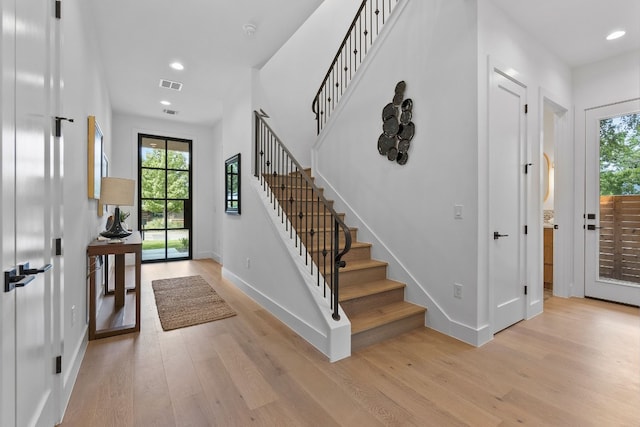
(118, 192)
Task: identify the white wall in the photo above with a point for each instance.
(408, 211)
(85, 93)
(207, 171)
(291, 78)
(613, 80)
(502, 43)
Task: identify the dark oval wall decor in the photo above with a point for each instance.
(397, 127)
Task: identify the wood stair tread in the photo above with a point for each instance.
(383, 315)
(363, 264)
(299, 187)
(353, 291)
(354, 245)
(323, 229)
(307, 200)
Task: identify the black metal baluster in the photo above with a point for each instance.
(277, 184)
(292, 214)
(274, 176)
(310, 221)
(324, 253)
(300, 201)
(305, 201)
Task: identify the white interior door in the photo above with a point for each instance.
(507, 137)
(35, 311)
(7, 217)
(612, 203)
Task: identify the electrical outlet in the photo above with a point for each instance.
(457, 290)
(248, 263)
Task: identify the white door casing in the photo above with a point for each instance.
(507, 198)
(595, 286)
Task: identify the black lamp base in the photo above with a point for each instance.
(116, 230)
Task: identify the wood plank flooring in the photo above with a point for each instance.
(577, 364)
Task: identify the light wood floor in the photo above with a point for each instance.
(578, 364)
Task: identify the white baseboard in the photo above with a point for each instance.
(316, 338)
(71, 375)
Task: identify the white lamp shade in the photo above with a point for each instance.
(117, 191)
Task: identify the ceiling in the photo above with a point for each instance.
(139, 39)
(575, 30)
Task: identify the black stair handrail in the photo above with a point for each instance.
(362, 32)
(306, 214)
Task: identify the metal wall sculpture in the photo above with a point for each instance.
(397, 127)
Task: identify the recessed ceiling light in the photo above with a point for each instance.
(165, 103)
(177, 66)
(616, 35)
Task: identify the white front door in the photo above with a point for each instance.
(507, 137)
(612, 203)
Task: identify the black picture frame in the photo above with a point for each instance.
(232, 185)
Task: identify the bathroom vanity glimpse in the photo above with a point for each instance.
(548, 256)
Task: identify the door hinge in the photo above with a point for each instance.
(526, 229)
(58, 127)
(526, 108)
(58, 9)
(59, 364)
(58, 246)
(526, 167)
(525, 289)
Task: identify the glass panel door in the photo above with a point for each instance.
(612, 219)
(165, 198)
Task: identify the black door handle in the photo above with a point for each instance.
(592, 227)
(13, 280)
(497, 235)
(23, 269)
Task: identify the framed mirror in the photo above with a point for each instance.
(546, 168)
(232, 185)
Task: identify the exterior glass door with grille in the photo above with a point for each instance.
(612, 215)
(164, 215)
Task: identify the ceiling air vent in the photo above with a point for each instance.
(168, 84)
(170, 112)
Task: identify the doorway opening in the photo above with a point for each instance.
(164, 198)
(548, 193)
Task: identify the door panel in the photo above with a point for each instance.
(34, 309)
(7, 217)
(612, 203)
(507, 133)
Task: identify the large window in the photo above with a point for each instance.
(164, 198)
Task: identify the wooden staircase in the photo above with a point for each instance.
(373, 303)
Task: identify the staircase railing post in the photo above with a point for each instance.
(336, 273)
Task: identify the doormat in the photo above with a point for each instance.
(187, 301)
